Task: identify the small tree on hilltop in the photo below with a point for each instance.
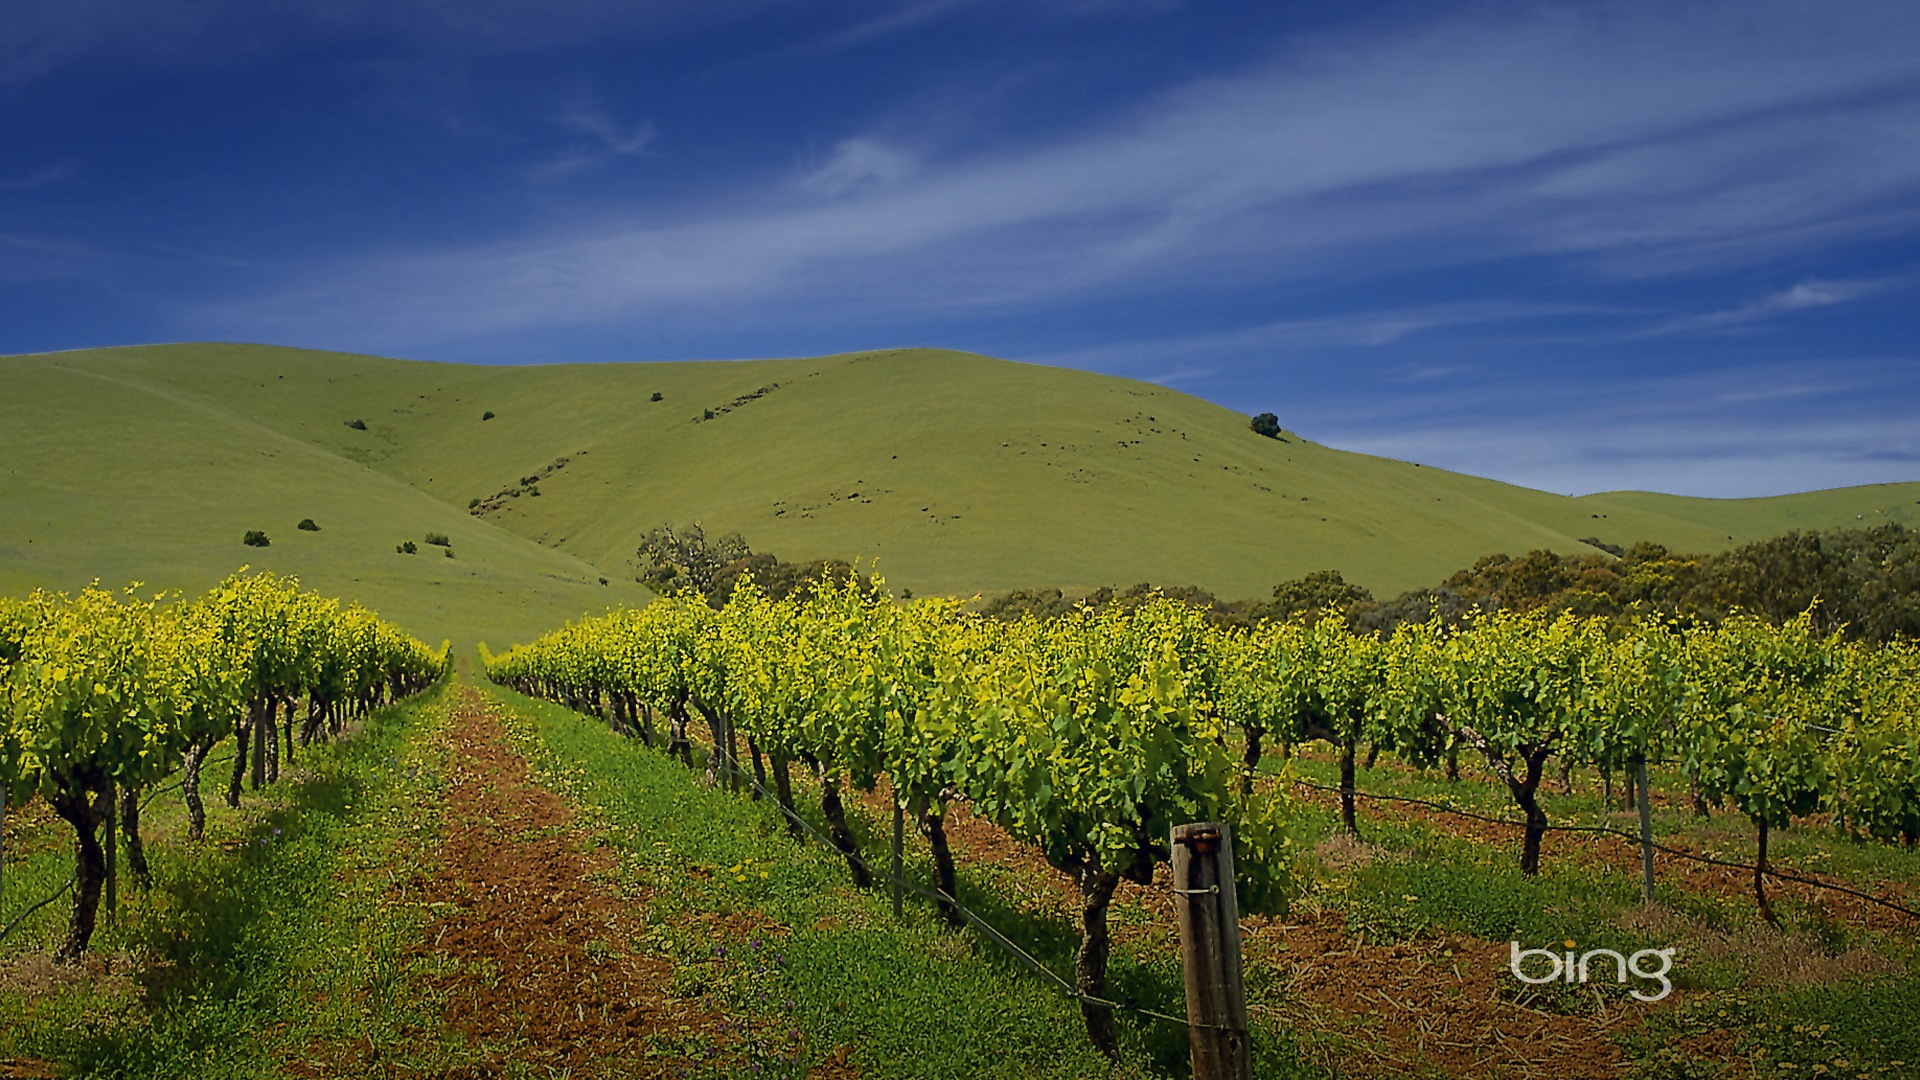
(1266, 424)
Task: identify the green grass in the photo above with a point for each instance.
(957, 472)
(730, 894)
(282, 937)
(1422, 880)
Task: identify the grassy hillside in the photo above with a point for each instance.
(103, 477)
(959, 473)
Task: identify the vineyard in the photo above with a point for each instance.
(109, 695)
(745, 798)
(1088, 737)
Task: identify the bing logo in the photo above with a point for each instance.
(1564, 967)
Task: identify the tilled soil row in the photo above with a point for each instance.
(543, 972)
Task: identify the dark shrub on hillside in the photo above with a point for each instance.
(307, 525)
(488, 415)
(357, 425)
(657, 396)
(1266, 424)
(675, 560)
(439, 540)
(407, 548)
(1310, 595)
(255, 538)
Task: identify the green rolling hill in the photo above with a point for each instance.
(957, 473)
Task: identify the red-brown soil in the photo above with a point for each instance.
(546, 973)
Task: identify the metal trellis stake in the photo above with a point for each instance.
(1208, 911)
(1646, 830)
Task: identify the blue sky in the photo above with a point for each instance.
(1661, 245)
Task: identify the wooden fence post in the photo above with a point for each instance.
(1209, 915)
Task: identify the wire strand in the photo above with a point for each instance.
(991, 933)
(1623, 834)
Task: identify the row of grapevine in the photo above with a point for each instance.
(1089, 736)
(1777, 722)
(106, 695)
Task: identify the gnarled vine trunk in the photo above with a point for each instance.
(1347, 746)
(759, 767)
(195, 756)
(835, 813)
(1090, 965)
(89, 869)
(130, 831)
(677, 745)
(933, 826)
(1760, 876)
(242, 732)
(1524, 788)
(783, 790)
(1251, 759)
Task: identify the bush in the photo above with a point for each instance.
(448, 552)
(488, 415)
(1266, 424)
(307, 525)
(439, 540)
(357, 425)
(473, 502)
(407, 548)
(256, 538)
(657, 396)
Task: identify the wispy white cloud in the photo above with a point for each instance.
(1812, 293)
(1726, 433)
(1720, 459)
(1643, 138)
(901, 18)
(1287, 340)
(859, 165)
(606, 140)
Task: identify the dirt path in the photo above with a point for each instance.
(545, 979)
